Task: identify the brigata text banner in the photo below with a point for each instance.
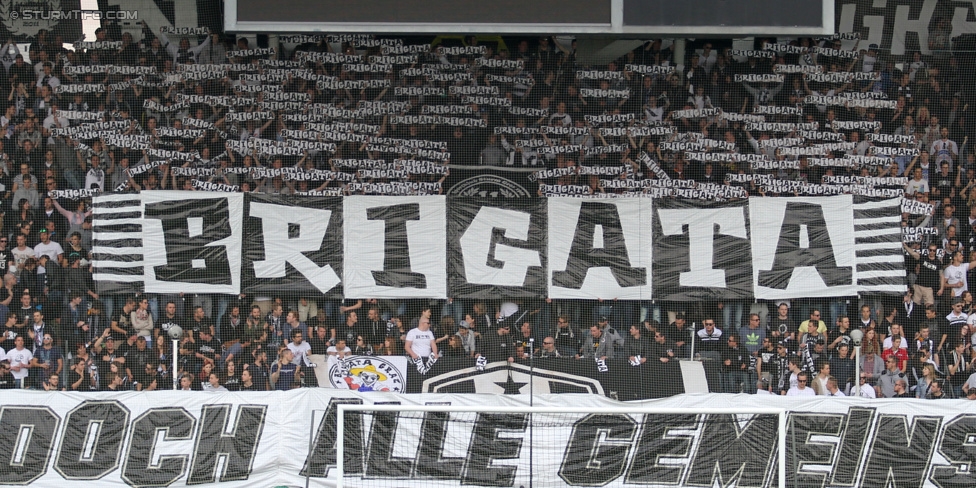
(464, 247)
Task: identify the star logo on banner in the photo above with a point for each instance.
(511, 386)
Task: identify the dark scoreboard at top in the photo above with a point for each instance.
(614, 17)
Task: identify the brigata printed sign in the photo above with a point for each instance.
(486, 248)
(262, 439)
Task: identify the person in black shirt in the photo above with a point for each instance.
(842, 366)
(320, 341)
(169, 319)
(230, 379)
(929, 270)
(247, 382)
(363, 348)
(11, 330)
(199, 324)
(635, 346)
(7, 380)
(205, 350)
(661, 349)
(735, 366)
(259, 370)
(105, 355)
(497, 345)
(374, 329)
(80, 375)
(567, 342)
(136, 358)
(5, 258)
(677, 333)
(146, 379)
(901, 389)
(25, 315)
(122, 324)
(232, 327)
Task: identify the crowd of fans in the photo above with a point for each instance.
(341, 115)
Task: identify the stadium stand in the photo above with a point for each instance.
(187, 109)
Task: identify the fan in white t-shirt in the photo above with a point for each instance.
(802, 387)
(955, 274)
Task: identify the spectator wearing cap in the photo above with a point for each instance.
(603, 322)
(48, 247)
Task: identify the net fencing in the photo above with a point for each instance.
(540, 447)
(521, 199)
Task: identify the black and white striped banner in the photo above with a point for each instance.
(877, 245)
(168, 242)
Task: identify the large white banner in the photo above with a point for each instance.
(395, 248)
(600, 248)
(277, 438)
(803, 247)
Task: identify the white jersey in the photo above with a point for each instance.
(22, 357)
(421, 341)
(808, 391)
(943, 150)
(957, 274)
(301, 352)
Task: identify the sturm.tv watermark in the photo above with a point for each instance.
(79, 14)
